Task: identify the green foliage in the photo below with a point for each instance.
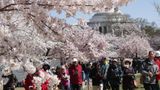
(152, 31)
(149, 30)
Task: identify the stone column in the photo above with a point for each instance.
(102, 29)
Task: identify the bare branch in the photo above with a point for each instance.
(7, 10)
(8, 6)
(157, 7)
(49, 27)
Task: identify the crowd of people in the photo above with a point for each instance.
(99, 75)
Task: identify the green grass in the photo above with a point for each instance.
(19, 88)
(140, 86)
(15, 89)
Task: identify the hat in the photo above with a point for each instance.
(157, 53)
(46, 66)
(29, 68)
(127, 60)
(75, 60)
(7, 71)
(115, 60)
(63, 67)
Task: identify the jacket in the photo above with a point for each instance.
(157, 61)
(75, 73)
(149, 66)
(96, 76)
(104, 70)
(128, 76)
(114, 74)
(11, 82)
(28, 82)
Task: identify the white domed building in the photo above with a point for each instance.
(114, 22)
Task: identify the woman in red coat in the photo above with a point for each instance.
(30, 69)
(28, 84)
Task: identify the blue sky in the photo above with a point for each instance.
(136, 8)
(143, 9)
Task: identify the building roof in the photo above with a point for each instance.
(111, 17)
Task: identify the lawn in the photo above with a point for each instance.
(140, 86)
(19, 88)
(15, 89)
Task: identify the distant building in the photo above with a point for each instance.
(113, 22)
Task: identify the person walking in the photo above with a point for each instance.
(75, 72)
(87, 74)
(149, 72)
(96, 76)
(114, 75)
(128, 75)
(28, 83)
(104, 69)
(9, 79)
(65, 82)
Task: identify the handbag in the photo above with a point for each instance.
(141, 79)
(135, 83)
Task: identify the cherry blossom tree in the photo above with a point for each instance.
(27, 27)
(132, 46)
(155, 42)
(83, 44)
(29, 33)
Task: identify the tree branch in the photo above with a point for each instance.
(8, 6)
(5, 8)
(49, 27)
